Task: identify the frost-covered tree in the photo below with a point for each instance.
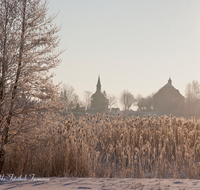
(145, 103)
(127, 99)
(28, 50)
(112, 100)
(192, 98)
(69, 96)
(87, 98)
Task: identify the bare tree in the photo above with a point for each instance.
(87, 98)
(28, 50)
(112, 100)
(192, 95)
(145, 104)
(127, 99)
(69, 96)
(192, 90)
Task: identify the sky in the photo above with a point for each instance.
(134, 45)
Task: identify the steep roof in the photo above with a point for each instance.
(168, 87)
(98, 93)
(99, 85)
(98, 82)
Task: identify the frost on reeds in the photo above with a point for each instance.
(99, 146)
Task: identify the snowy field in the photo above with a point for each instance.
(98, 183)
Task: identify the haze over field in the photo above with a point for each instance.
(134, 45)
(46, 133)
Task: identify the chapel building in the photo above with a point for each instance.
(99, 100)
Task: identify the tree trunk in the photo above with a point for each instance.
(2, 158)
(5, 134)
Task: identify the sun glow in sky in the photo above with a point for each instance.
(133, 44)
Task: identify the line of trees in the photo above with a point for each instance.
(127, 100)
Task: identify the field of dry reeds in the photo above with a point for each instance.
(99, 146)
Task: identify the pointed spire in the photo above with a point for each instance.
(170, 80)
(99, 84)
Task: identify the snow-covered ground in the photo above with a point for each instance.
(98, 183)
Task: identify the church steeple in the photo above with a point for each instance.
(99, 84)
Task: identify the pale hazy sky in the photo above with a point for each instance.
(133, 44)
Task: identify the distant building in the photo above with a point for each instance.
(168, 100)
(99, 101)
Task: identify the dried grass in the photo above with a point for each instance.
(99, 146)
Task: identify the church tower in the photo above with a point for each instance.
(99, 85)
(99, 101)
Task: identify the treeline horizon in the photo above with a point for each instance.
(139, 102)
